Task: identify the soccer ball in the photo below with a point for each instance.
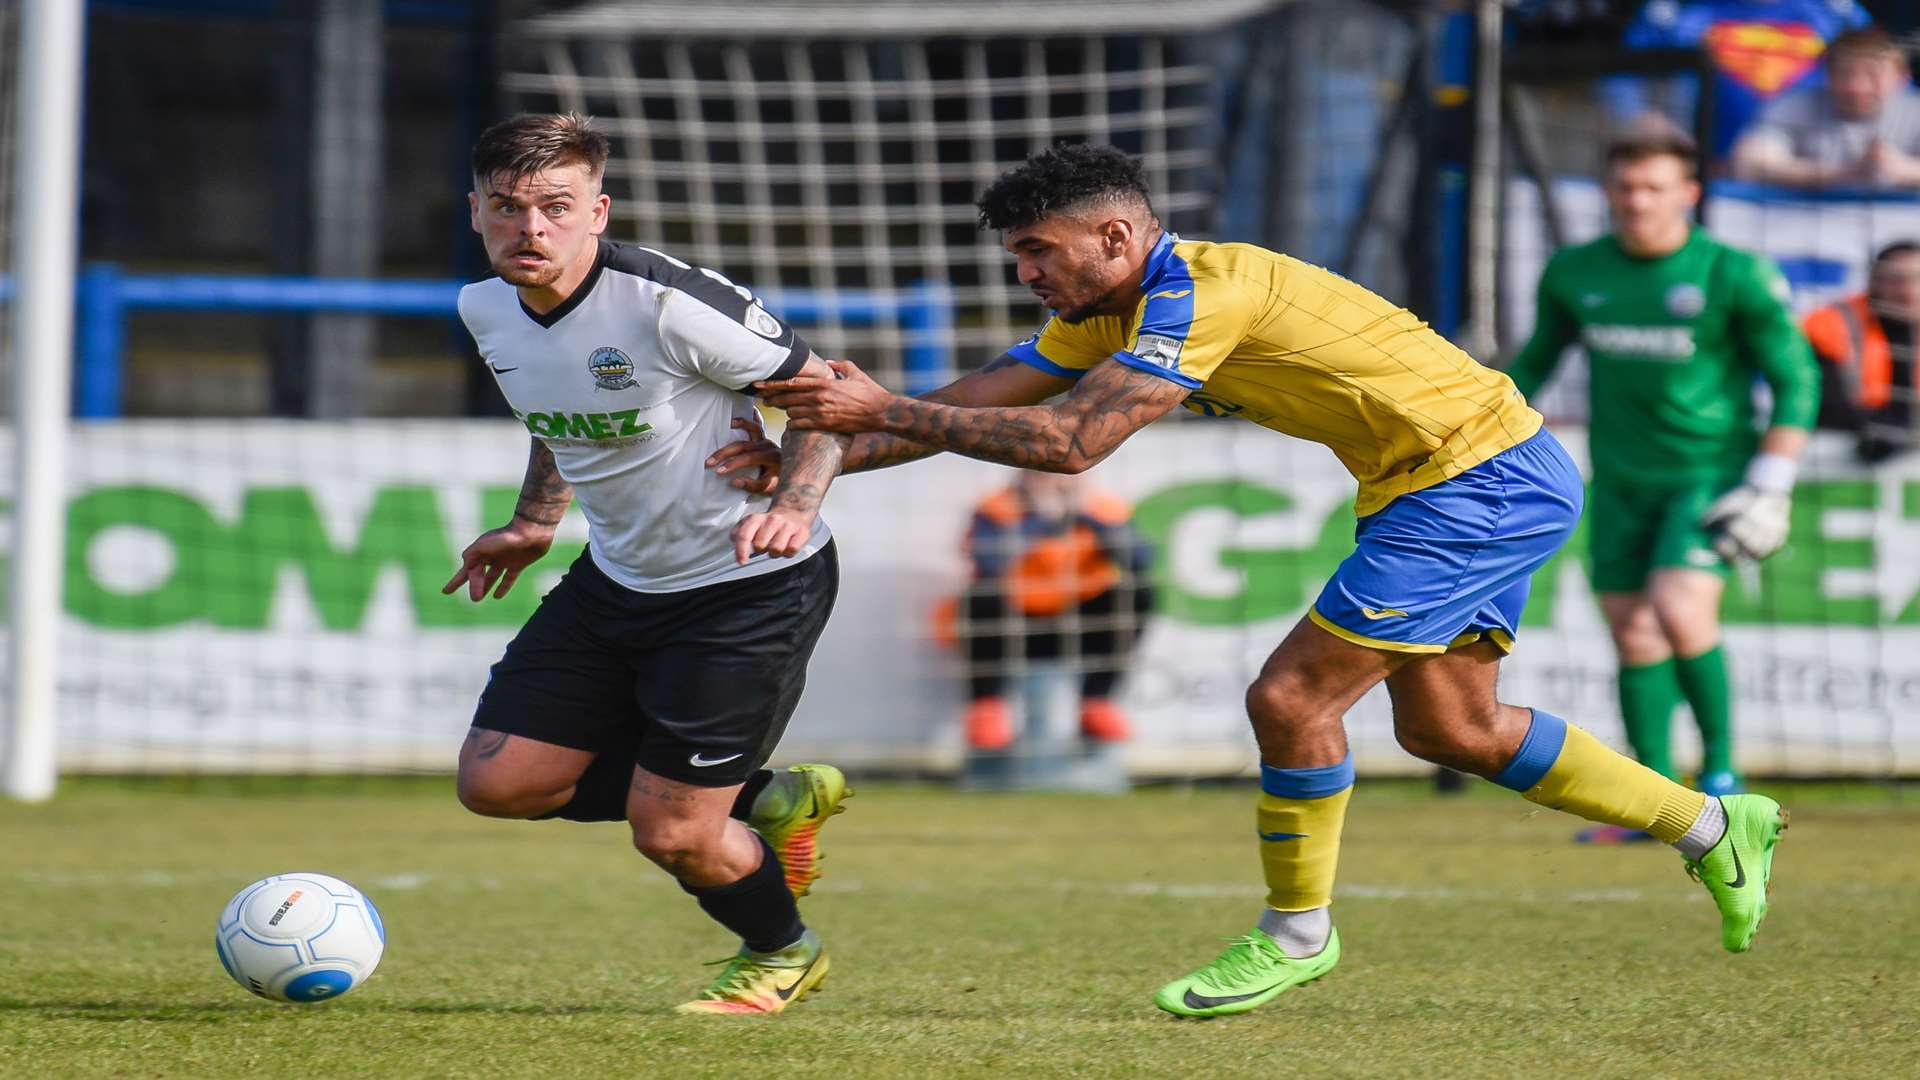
(300, 937)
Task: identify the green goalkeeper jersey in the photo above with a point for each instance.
(1673, 347)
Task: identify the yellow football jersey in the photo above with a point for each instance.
(1302, 350)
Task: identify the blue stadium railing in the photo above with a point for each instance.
(106, 294)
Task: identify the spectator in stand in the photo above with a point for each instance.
(1058, 573)
(1761, 49)
(1861, 130)
(1866, 348)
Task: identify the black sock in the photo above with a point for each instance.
(601, 792)
(758, 907)
(743, 803)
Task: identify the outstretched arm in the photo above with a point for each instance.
(1111, 402)
(1003, 381)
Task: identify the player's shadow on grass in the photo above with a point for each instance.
(461, 1008)
(123, 1011)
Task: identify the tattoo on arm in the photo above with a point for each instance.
(653, 789)
(875, 450)
(1111, 402)
(486, 744)
(544, 494)
(809, 460)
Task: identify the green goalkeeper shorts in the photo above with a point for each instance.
(1639, 526)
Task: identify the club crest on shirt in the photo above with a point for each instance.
(761, 323)
(1686, 300)
(611, 369)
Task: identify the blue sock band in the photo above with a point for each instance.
(1315, 783)
(1537, 753)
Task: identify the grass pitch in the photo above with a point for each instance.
(1005, 936)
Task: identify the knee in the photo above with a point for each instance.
(1689, 627)
(675, 846)
(491, 796)
(1280, 697)
(1425, 741)
(1641, 641)
(1470, 740)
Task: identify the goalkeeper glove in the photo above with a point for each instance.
(1751, 521)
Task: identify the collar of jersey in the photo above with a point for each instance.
(574, 300)
(1157, 260)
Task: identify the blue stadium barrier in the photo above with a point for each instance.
(106, 294)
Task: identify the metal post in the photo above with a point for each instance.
(348, 141)
(1483, 188)
(45, 224)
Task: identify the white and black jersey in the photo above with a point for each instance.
(632, 383)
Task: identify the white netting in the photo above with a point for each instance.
(834, 153)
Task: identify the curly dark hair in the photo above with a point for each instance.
(528, 143)
(1060, 179)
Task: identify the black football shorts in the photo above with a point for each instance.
(696, 686)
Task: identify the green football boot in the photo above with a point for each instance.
(789, 813)
(1738, 871)
(1249, 974)
(759, 984)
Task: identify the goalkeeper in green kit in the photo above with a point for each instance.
(1676, 326)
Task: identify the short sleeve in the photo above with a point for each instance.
(1069, 349)
(1187, 329)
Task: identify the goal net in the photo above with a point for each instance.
(829, 154)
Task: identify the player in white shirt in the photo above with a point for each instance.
(655, 679)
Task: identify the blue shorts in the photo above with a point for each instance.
(1447, 565)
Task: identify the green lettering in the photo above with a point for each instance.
(280, 526)
(189, 529)
(599, 425)
(1275, 581)
(578, 426)
(627, 425)
(1910, 509)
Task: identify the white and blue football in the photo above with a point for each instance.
(300, 937)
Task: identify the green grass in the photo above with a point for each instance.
(972, 936)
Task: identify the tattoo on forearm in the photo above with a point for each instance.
(876, 450)
(486, 744)
(809, 460)
(1111, 402)
(544, 494)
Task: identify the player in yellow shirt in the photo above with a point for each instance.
(1462, 495)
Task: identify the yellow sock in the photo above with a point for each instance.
(1300, 815)
(1562, 767)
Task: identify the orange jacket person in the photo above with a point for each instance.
(1866, 348)
(1057, 573)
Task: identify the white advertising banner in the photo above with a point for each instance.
(266, 595)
